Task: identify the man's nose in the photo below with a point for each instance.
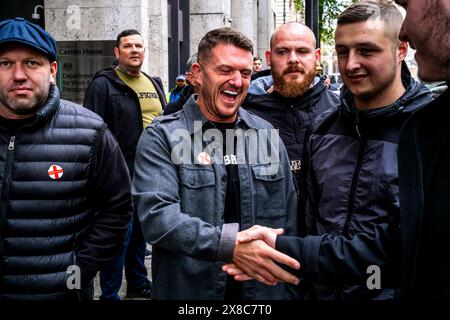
(293, 58)
(236, 80)
(352, 62)
(19, 73)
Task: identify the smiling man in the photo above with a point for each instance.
(193, 201)
(350, 189)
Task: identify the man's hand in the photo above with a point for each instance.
(256, 259)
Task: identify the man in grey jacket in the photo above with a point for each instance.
(204, 172)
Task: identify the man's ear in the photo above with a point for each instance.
(402, 50)
(116, 52)
(196, 74)
(267, 55)
(318, 55)
(53, 71)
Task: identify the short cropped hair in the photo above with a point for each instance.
(222, 35)
(192, 59)
(126, 33)
(385, 10)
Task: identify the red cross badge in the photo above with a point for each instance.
(55, 172)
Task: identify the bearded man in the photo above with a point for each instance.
(297, 96)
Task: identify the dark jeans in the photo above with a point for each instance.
(132, 255)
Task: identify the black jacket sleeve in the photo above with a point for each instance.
(96, 99)
(337, 259)
(110, 198)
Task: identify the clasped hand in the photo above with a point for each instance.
(254, 257)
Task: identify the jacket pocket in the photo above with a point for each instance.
(197, 192)
(196, 177)
(270, 195)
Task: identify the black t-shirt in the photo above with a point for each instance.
(232, 211)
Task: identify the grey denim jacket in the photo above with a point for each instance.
(181, 202)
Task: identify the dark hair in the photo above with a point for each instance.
(364, 10)
(126, 33)
(222, 35)
(256, 58)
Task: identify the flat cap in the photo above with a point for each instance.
(22, 31)
(180, 77)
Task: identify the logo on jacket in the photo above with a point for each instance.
(204, 158)
(55, 172)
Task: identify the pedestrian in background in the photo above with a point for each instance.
(187, 91)
(128, 100)
(175, 92)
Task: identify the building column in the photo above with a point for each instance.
(244, 18)
(206, 15)
(265, 27)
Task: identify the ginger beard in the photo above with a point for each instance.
(296, 87)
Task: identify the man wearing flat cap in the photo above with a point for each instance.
(62, 214)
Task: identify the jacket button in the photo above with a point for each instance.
(224, 178)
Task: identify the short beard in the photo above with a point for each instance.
(442, 23)
(21, 109)
(292, 89)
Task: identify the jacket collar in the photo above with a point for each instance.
(50, 105)
(192, 113)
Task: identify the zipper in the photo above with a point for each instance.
(357, 124)
(348, 219)
(6, 180)
(4, 195)
(11, 143)
(353, 187)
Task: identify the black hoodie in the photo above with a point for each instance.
(118, 105)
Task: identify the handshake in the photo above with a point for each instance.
(255, 257)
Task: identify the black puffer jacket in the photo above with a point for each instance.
(292, 116)
(352, 197)
(48, 225)
(118, 105)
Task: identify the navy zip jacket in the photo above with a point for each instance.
(51, 222)
(351, 199)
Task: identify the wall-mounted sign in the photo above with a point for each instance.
(78, 61)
